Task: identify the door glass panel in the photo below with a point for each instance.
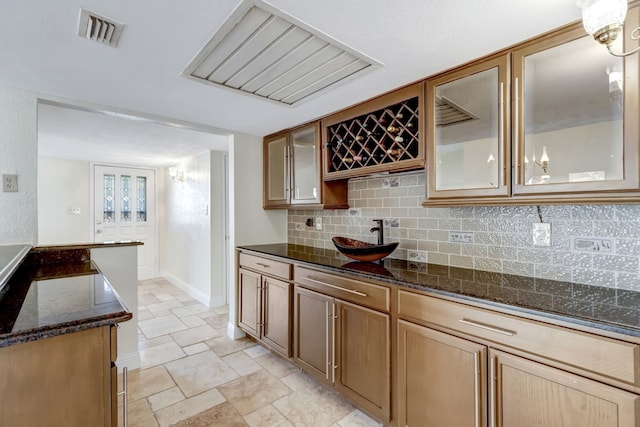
(305, 165)
(108, 194)
(573, 110)
(125, 198)
(141, 199)
(277, 169)
(467, 139)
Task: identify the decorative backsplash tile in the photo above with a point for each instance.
(590, 244)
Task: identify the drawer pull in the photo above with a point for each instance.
(362, 294)
(259, 264)
(487, 327)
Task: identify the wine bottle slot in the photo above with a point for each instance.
(398, 139)
(393, 129)
(395, 152)
(399, 116)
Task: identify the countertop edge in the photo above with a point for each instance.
(61, 329)
(487, 303)
(7, 271)
(47, 248)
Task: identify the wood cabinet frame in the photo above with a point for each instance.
(330, 195)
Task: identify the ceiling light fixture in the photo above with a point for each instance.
(603, 19)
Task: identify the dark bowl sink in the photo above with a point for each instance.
(363, 251)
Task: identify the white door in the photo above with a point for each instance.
(124, 210)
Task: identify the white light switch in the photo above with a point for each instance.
(73, 211)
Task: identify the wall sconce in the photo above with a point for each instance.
(544, 160)
(176, 175)
(603, 19)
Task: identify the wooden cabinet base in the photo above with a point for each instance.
(59, 381)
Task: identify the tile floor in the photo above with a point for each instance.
(189, 365)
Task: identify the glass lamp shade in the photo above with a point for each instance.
(597, 14)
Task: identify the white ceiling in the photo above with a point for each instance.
(411, 38)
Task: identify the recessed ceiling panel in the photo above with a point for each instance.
(268, 54)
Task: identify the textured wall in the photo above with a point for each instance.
(63, 184)
(18, 155)
(593, 244)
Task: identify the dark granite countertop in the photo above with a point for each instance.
(10, 258)
(608, 309)
(44, 299)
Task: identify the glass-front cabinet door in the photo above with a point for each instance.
(276, 171)
(468, 140)
(575, 116)
(305, 160)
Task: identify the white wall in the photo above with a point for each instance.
(63, 184)
(217, 211)
(249, 224)
(18, 155)
(185, 237)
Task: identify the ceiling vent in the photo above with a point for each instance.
(450, 113)
(263, 52)
(98, 28)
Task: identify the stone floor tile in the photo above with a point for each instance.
(190, 310)
(165, 305)
(146, 298)
(160, 354)
(278, 366)
(221, 415)
(165, 398)
(358, 418)
(145, 382)
(140, 414)
(256, 351)
(218, 320)
(161, 326)
(241, 363)
(188, 407)
(194, 335)
(152, 342)
(184, 298)
(200, 372)
(223, 345)
(195, 348)
(267, 416)
(144, 315)
(164, 297)
(254, 391)
(193, 321)
(319, 407)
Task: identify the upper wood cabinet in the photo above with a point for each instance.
(575, 116)
(468, 131)
(552, 120)
(292, 173)
(379, 135)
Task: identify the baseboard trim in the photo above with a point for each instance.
(234, 332)
(200, 296)
(217, 302)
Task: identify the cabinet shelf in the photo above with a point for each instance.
(380, 135)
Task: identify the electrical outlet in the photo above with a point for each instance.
(9, 183)
(319, 223)
(541, 234)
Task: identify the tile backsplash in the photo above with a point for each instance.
(590, 244)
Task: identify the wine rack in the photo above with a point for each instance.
(385, 139)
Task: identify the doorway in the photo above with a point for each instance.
(124, 210)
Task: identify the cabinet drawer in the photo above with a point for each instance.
(266, 266)
(367, 294)
(606, 357)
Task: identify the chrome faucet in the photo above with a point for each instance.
(380, 230)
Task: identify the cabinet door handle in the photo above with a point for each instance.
(503, 175)
(326, 343)
(259, 264)
(516, 129)
(124, 393)
(333, 346)
(492, 392)
(476, 373)
(362, 294)
(487, 327)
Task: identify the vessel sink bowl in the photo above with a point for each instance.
(363, 251)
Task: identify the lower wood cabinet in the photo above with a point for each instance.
(65, 380)
(344, 345)
(455, 368)
(264, 309)
(529, 394)
(441, 380)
